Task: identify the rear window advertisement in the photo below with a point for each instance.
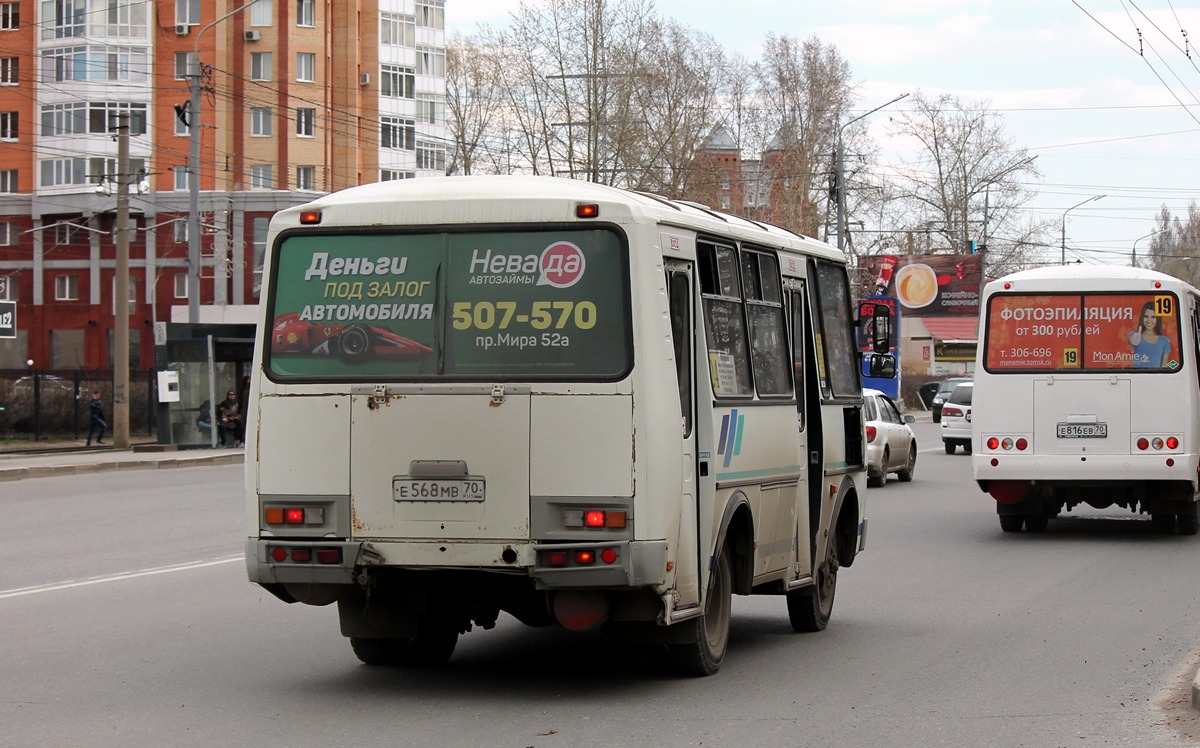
(534, 304)
(1083, 332)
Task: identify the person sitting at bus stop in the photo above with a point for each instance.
(1150, 346)
(230, 420)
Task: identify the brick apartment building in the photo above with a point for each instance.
(299, 98)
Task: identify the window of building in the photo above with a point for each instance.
(305, 176)
(63, 171)
(119, 64)
(431, 109)
(8, 287)
(63, 19)
(261, 177)
(259, 226)
(260, 13)
(132, 294)
(260, 65)
(431, 61)
(179, 230)
(395, 132)
(100, 169)
(66, 288)
(66, 349)
(430, 156)
(8, 233)
(181, 285)
(389, 175)
(64, 64)
(181, 177)
(431, 13)
(10, 16)
(306, 67)
(124, 18)
(183, 64)
(10, 71)
(260, 121)
(397, 30)
(304, 13)
(181, 120)
(8, 180)
(9, 129)
(135, 346)
(64, 119)
(187, 11)
(102, 117)
(397, 82)
(306, 122)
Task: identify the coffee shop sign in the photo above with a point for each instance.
(925, 284)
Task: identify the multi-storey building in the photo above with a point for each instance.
(298, 97)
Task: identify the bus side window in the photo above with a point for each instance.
(680, 299)
(724, 321)
(768, 331)
(796, 301)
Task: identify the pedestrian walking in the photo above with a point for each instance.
(98, 425)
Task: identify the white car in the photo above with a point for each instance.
(956, 419)
(891, 445)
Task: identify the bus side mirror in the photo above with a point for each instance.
(881, 333)
(879, 365)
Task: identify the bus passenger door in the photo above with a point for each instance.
(681, 301)
(808, 426)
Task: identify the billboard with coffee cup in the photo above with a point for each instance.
(925, 284)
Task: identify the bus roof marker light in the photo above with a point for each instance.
(1158, 284)
(310, 217)
(587, 210)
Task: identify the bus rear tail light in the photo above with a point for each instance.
(294, 515)
(329, 555)
(1022, 444)
(304, 555)
(1007, 443)
(1157, 443)
(871, 433)
(613, 519)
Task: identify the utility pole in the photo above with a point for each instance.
(193, 75)
(840, 178)
(120, 411)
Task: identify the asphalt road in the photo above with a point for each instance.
(126, 620)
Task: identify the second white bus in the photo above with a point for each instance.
(1087, 392)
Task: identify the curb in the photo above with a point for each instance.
(1196, 691)
(45, 471)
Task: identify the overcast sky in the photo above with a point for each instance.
(1066, 76)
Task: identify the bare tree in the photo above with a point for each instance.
(1174, 250)
(473, 104)
(968, 170)
(804, 89)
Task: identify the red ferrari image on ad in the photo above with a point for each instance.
(351, 343)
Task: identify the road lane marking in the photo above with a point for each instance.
(56, 586)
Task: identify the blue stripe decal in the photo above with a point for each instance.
(724, 433)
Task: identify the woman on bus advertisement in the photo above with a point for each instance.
(1150, 347)
(1082, 332)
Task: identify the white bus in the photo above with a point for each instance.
(560, 400)
(1086, 392)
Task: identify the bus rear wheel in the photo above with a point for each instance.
(431, 647)
(705, 650)
(1186, 523)
(1011, 522)
(1163, 523)
(809, 609)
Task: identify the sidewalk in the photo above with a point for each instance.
(18, 465)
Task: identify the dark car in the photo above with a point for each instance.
(943, 394)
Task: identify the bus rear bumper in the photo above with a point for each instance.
(1085, 469)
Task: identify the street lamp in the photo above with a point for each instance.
(840, 179)
(1064, 223)
(1133, 258)
(987, 193)
(193, 75)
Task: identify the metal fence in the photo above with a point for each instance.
(53, 404)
